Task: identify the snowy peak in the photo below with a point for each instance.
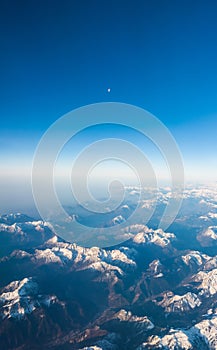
(11, 219)
(207, 282)
(195, 258)
(208, 237)
(20, 298)
(201, 336)
(83, 258)
(127, 316)
(179, 303)
(144, 235)
(118, 220)
(173, 341)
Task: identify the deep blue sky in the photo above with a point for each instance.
(159, 55)
(58, 55)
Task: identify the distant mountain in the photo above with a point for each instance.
(157, 290)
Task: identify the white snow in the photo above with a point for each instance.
(118, 220)
(21, 297)
(211, 232)
(84, 258)
(195, 257)
(127, 316)
(176, 340)
(208, 282)
(208, 331)
(17, 298)
(46, 256)
(148, 236)
(179, 303)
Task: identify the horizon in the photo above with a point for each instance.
(142, 55)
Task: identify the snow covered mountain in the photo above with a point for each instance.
(20, 298)
(179, 303)
(157, 290)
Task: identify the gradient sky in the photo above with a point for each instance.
(59, 55)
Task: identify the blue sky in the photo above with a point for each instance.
(59, 55)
